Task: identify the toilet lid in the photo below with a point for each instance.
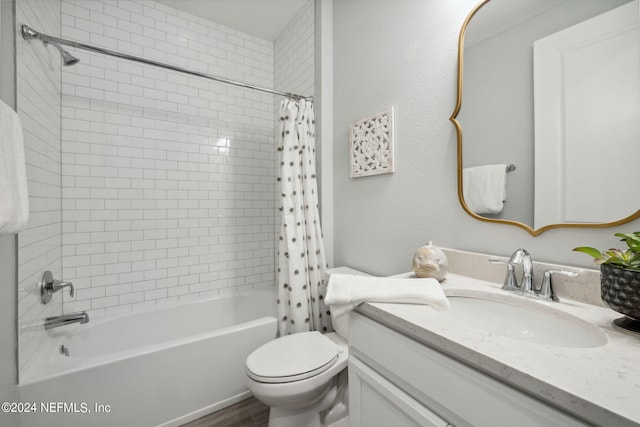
(292, 358)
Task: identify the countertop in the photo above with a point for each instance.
(600, 384)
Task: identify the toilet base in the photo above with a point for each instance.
(310, 416)
(340, 408)
(282, 418)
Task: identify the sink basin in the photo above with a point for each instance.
(522, 318)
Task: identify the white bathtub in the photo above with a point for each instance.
(161, 367)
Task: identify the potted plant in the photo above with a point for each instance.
(620, 278)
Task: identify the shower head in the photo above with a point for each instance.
(29, 33)
(67, 58)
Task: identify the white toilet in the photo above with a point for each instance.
(302, 377)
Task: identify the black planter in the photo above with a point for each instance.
(620, 290)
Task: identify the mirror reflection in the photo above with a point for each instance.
(552, 91)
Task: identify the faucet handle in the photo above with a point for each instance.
(59, 284)
(510, 282)
(546, 289)
(48, 285)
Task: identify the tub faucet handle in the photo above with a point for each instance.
(59, 284)
(546, 289)
(48, 286)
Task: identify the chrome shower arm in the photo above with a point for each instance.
(30, 34)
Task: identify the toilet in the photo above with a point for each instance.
(302, 377)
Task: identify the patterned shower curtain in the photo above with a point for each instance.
(301, 257)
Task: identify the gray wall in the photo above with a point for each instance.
(8, 270)
(404, 53)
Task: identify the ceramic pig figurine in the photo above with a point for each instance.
(430, 261)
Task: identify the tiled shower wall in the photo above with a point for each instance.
(38, 102)
(168, 180)
(294, 54)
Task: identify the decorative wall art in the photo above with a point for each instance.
(371, 142)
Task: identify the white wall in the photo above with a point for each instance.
(323, 15)
(8, 290)
(404, 53)
(168, 179)
(38, 102)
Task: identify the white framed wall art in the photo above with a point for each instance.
(371, 144)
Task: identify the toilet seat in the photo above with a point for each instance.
(292, 358)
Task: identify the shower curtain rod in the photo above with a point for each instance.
(29, 33)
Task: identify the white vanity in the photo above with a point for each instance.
(412, 366)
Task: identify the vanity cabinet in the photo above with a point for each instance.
(375, 401)
(395, 380)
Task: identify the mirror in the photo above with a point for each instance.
(552, 89)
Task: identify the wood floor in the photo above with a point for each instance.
(248, 413)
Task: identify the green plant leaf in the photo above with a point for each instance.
(590, 251)
(616, 262)
(628, 259)
(632, 240)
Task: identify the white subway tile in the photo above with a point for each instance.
(111, 9)
(98, 16)
(90, 271)
(142, 286)
(72, 306)
(118, 309)
(135, 276)
(120, 246)
(74, 10)
(124, 288)
(147, 148)
(104, 280)
(131, 298)
(90, 293)
(198, 287)
(97, 303)
(132, 27)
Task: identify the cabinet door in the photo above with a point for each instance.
(376, 402)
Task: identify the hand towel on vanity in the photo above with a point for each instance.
(346, 291)
(14, 200)
(485, 188)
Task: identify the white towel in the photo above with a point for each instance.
(14, 200)
(346, 291)
(485, 188)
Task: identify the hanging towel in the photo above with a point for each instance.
(14, 200)
(485, 188)
(346, 291)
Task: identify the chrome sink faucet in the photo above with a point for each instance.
(526, 286)
(67, 319)
(523, 258)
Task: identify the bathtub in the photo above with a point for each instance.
(161, 367)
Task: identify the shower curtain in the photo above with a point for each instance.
(301, 257)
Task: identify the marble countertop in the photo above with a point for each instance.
(600, 384)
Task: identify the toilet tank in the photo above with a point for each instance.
(341, 324)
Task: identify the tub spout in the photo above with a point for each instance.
(67, 319)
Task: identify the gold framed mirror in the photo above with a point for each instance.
(539, 186)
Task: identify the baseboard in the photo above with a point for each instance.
(176, 422)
